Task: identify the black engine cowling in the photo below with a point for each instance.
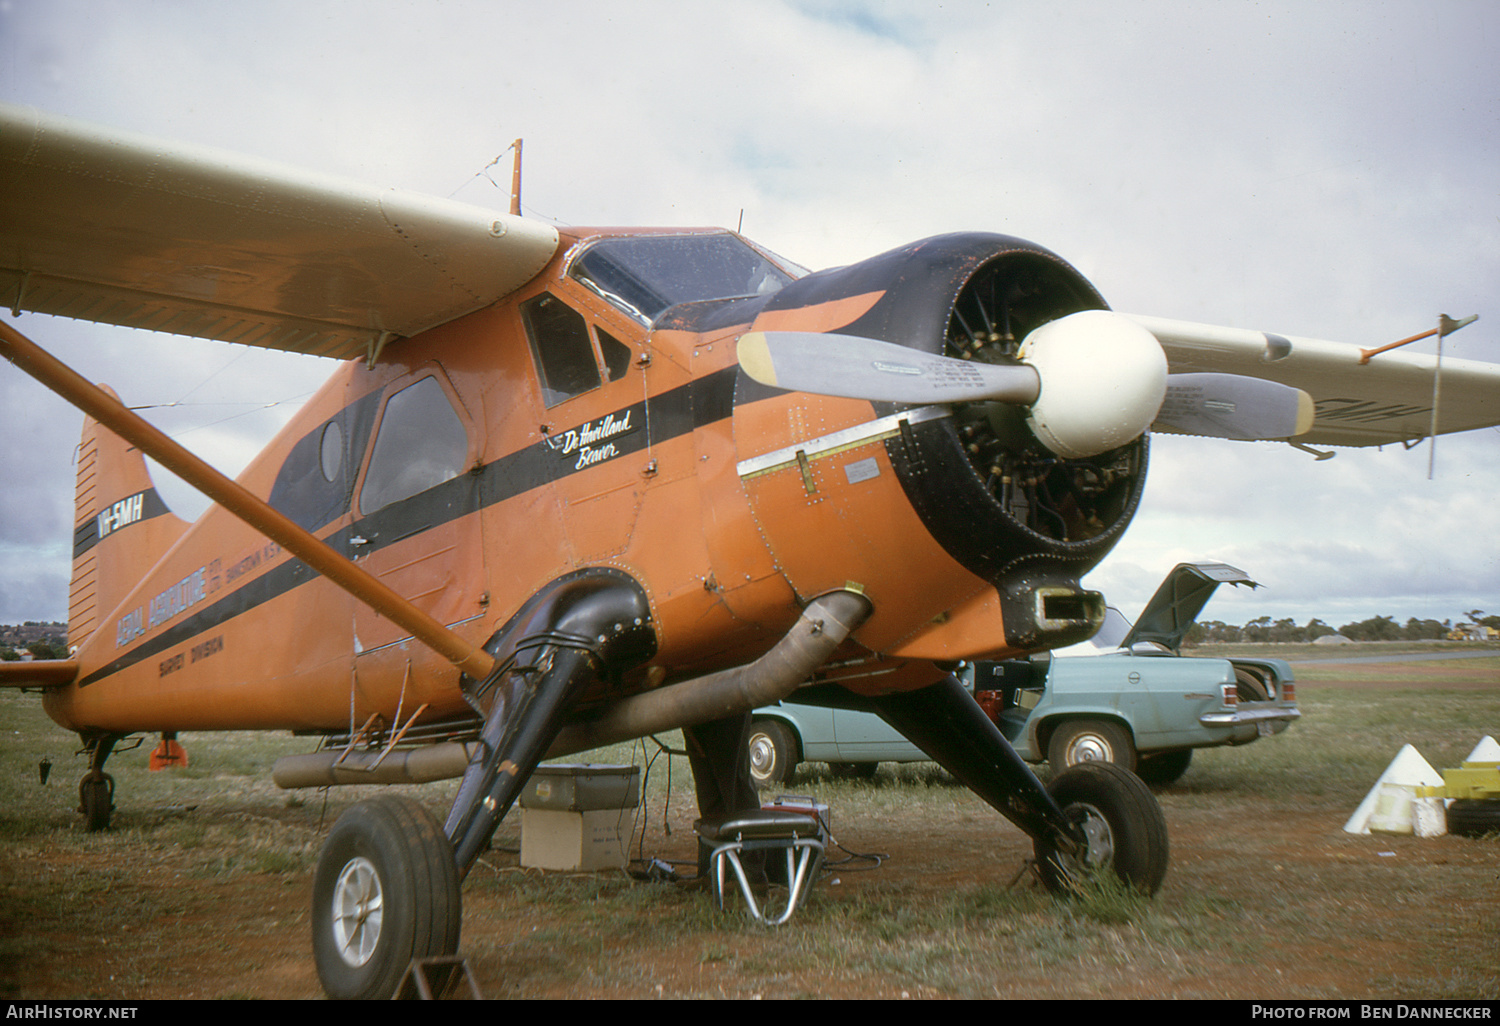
(1027, 520)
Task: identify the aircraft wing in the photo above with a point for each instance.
(1388, 399)
(115, 227)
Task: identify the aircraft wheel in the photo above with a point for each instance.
(773, 753)
(96, 800)
(1162, 768)
(1126, 830)
(386, 892)
(1079, 741)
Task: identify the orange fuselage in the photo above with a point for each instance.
(710, 498)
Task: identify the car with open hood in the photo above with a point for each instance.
(1128, 697)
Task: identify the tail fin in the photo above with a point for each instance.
(121, 527)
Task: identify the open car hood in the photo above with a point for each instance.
(1174, 608)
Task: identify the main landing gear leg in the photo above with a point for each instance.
(96, 791)
(387, 886)
(523, 720)
(1093, 816)
(719, 754)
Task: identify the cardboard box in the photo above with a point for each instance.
(593, 839)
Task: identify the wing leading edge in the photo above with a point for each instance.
(120, 228)
(1388, 399)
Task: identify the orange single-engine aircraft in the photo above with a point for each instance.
(574, 486)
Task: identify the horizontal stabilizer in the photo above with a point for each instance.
(38, 673)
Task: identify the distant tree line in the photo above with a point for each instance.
(43, 640)
(38, 650)
(1377, 628)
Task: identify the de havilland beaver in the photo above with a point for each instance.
(573, 485)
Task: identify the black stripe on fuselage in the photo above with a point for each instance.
(669, 415)
(86, 534)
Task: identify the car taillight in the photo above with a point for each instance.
(1230, 694)
(1289, 692)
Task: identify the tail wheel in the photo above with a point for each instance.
(386, 892)
(96, 800)
(773, 753)
(1122, 821)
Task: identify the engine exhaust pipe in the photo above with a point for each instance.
(823, 626)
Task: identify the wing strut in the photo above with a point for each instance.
(1446, 326)
(66, 382)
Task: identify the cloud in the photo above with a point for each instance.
(1310, 169)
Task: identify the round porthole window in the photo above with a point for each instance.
(331, 450)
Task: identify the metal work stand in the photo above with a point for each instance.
(763, 830)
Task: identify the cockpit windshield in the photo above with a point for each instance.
(646, 274)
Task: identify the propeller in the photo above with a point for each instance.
(1090, 382)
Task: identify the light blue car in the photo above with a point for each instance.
(1129, 699)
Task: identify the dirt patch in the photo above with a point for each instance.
(1266, 897)
(1264, 900)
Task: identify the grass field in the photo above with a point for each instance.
(200, 889)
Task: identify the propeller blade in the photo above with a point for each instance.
(1091, 380)
(1233, 406)
(866, 368)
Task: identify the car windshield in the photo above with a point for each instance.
(647, 274)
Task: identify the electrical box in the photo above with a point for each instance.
(581, 787)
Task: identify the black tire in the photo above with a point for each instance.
(386, 892)
(1159, 769)
(1250, 687)
(1075, 742)
(1125, 826)
(96, 800)
(773, 753)
(853, 770)
(1474, 817)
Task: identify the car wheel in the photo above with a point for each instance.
(1162, 768)
(773, 753)
(1126, 831)
(386, 892)
(1474, 817)
(1079, 741)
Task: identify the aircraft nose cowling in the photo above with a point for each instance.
(1007, 499)
(1103, 378)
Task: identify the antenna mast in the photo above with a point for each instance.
(515, 179)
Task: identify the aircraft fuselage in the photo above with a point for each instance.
(567, 428)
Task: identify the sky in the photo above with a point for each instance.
(1325, 170)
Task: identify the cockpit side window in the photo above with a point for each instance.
(560, 345)
(421, 442)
